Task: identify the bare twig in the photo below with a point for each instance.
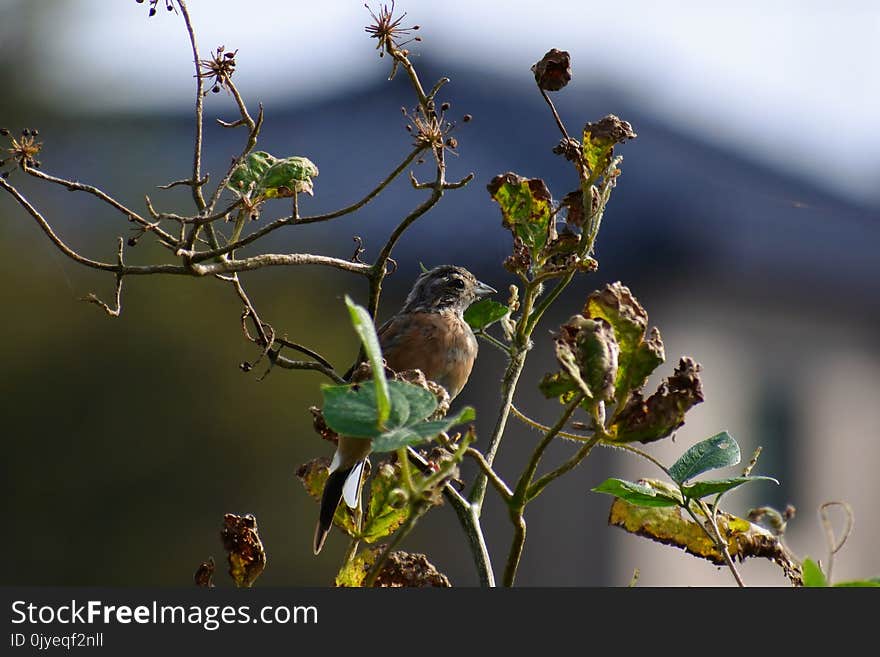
(287, 364)
(834, 545)
(379, 268)
(555, 114)
(92, 297)
(278, 260)
(185, 182)
(73, 185)
(198, 197)
(370, 196)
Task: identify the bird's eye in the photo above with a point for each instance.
(457, 283)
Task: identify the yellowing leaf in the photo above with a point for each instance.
(672, 525)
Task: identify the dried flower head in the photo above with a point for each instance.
(386, 28)
(169, 5)
(432, 130)
(553, 70)
(219, 68)
(23, 150)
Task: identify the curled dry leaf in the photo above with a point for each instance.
(204, 576)
(647, 420)
(247, 557)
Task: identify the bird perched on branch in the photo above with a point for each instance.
(429, 334)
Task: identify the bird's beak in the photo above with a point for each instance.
(483, 290)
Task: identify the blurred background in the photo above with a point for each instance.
(745, 221)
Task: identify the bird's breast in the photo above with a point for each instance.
(440, 344)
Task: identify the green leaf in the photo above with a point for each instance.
(382, 516)
(421, 432)
(484, 313)
(419, 402)
(813, 575)
(719, 451)
(246, 177)
(639, 494)
(556, 384)
(526, 209)
(287, 177)
(352, 410)
(860, 583)
(365, 328)
(713, 486)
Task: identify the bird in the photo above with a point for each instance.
(428, 333)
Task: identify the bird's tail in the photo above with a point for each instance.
(345, 482)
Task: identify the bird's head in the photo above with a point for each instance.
(445, 287)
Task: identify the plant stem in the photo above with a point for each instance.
(416, 510)
(715, 537)
(519, 500)
(535, 489)
(508, 387)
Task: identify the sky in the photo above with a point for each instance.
(792, 83)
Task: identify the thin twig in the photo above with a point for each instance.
(496, 481)
(535, 489)
(370, 195)
(198, 197)
(555, 114)
(165, 238)
(93, 298)
(716, 537)
(287, 364)
(834, 546)
(495, 342)
(184, 182)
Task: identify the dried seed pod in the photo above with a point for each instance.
(553, 71)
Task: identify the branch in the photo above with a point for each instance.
(253, 127)
(197, 148)
(287, 364)
(73, 255)
(277, 260)
(92, 297)
(468, 520)
(555, 114)
(75, 186)
(500, 486)
(379, 268)
(520, 496)
(535, 489)
(370, 196)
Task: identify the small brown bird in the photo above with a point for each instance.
(428, 333)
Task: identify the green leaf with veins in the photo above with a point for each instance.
(484, 313)
(719, 451)
(642, 493)
(701, 489)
